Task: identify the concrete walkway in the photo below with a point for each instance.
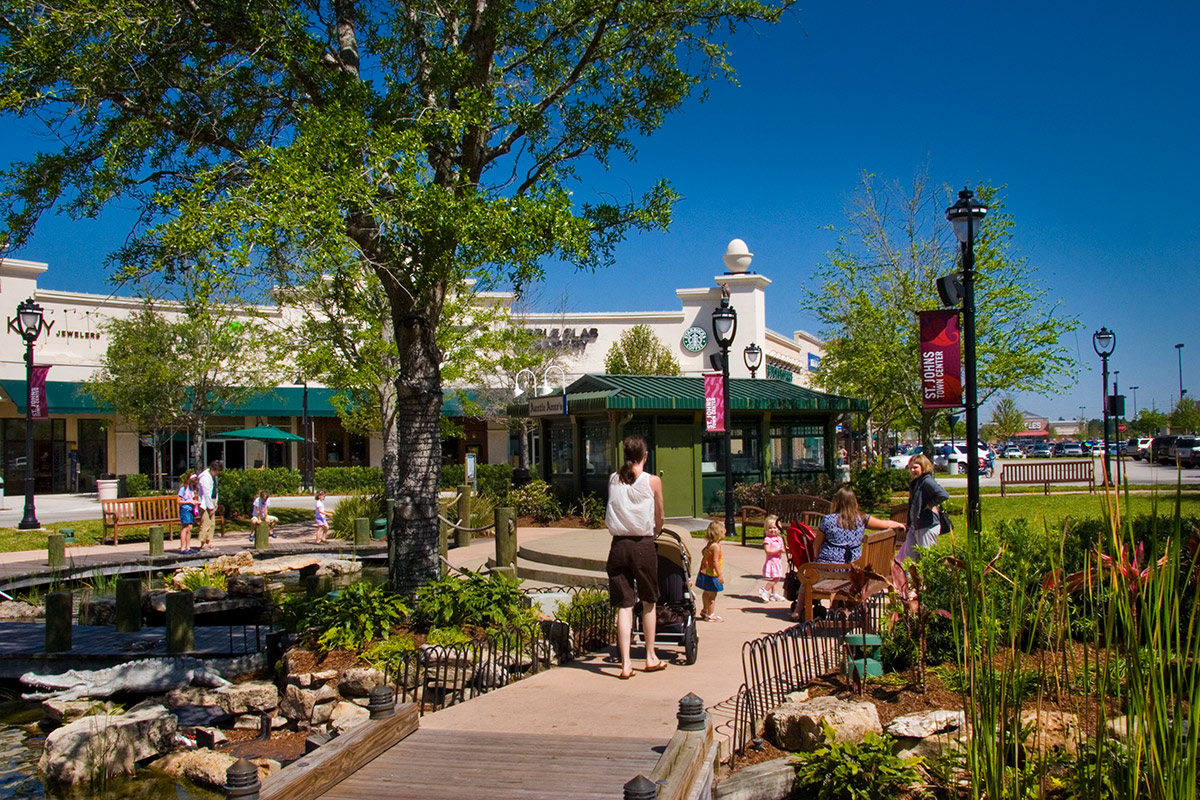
(585, 697)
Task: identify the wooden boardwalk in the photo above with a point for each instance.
(462, 765)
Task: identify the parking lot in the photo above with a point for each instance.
(1138, 473)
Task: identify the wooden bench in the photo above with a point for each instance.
(789, 508)
(138, 512)
(832, 581)
(1048, 472)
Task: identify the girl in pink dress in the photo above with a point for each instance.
(773, 565)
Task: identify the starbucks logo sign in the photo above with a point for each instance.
(695, 339)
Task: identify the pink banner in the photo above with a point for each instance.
(941, 360)
(714, 403)
(37, 394)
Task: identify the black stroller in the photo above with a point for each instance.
(676, 605)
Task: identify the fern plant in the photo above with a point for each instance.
(864, 770)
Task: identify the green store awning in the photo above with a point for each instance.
(598, 392)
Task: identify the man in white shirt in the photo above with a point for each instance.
(208, 502)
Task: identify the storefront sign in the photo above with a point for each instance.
(553, 406)
(38, 407)
(941, 362)
(714, 403)
(778, 373)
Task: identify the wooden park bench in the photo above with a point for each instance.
(139, 512)
(789, 508)
(1048, 472)
(832, 581)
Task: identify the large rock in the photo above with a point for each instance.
(926, 723)
(241, 698)
(62, 712)
(297, 703)
(14, 609)
(359, 681)
(346, 715)
(246, 586)
(208, 767)
(338, 566)
(1051, 730)
(107, 745)
(268, 566)
(797, 726)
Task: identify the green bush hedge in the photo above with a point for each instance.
(236, 488)
(756, 494)
(344, 480)
(874, 486)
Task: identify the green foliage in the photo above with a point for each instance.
(756, 494)
(447, 637)
(238, 487)
(495, 601)
(1007, 419)
(1148, 422)
(344, 480)
(1185, 417)
(193, 579)
(874, 486)
(536, 499)
(639, 352)
(347, 620)
(592, 511)
(384, 651)
(137, 485)
(352, 507)
(854, 771)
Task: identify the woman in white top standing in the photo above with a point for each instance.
(633, 517)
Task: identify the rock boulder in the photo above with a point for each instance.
(107, 745)
(797, 726)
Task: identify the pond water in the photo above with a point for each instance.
(21, 741)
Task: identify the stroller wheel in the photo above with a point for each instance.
(691, 643)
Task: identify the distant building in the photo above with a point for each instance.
(1037, 429)
(1068, 428)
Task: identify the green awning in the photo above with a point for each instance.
(71, 397)
(660, 393)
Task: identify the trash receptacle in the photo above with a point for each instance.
(106, 489)
(379, 528)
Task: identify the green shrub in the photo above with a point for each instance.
(193, 579)
(384, 651)
(493, 481)
(350, 508)
(344, 480)
(237, 488)
(756, 494)
(494, 601)
(137, 485)
(536, 499)
(591, 511)
(874, 486)
(447, 637)
(348, 620)
(854, 771)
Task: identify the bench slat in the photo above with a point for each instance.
(1047, 472)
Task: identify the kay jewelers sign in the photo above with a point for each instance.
(554, 406)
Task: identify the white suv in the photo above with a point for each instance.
(956, 462)
(901, 461)
(1138, 448)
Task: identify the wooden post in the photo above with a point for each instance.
(261, 533)
(129, 605)
(156, 539)
(506, 540)
(463, 538)
(56, 550)
(181, 622)
(362, 532)
(58, 622)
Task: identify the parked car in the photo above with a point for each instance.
(955, 461)
(1040, 450)
(1070, 449)
(1138, 447)
(901, 461)
(1185, 450)
(1012, 451)
(1160, 449)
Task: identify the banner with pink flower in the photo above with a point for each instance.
(941, 359)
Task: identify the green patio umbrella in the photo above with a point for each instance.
(267, 433)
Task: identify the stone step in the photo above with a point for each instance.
(585, 561)
(550, 574)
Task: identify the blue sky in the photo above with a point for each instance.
(1088, 113)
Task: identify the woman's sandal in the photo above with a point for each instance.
(659, 667)
(714, 618)
(626, 675)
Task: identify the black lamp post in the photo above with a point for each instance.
(1134, 390)
(1118, 410)
(752, 356)
(1182, 391)
(965, 217)
(306, 453)
(1104, 342)
(724, 325)
(28, 324)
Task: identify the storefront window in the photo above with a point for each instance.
(358, 450)
(561, 455)
(596, 450)
(744, 448)
(797, 449)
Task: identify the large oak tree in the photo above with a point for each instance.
(426, 142)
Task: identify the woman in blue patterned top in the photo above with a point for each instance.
(844, 529)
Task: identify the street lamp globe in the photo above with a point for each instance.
(1104, 342)
(724, 322)
(752, 356)
(965, 215)
(29, 320)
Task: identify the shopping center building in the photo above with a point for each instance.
(82, 440)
